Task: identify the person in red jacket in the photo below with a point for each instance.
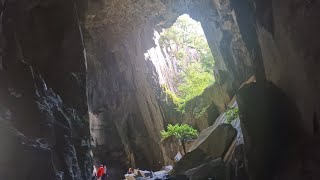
(100, 172)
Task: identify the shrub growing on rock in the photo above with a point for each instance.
(182, 132)
(232, 114)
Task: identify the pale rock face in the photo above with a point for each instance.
(215, 140)
(166, 67)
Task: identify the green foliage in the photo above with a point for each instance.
(175, 99)
(194, 80)
(200, 110)
(232, 114)
(196, 72)
(207, 61)
(182, 132)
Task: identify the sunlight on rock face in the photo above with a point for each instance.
(183, 60)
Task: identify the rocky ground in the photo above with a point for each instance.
(148, 175)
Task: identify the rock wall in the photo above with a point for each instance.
(203, 110)
(163, 67)
(43, 117)
(270, 130)
(125, 117)
(285, 34)
(233, 61)
(123, 87)
(43, 64)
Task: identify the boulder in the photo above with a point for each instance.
(129, 176)
(212, 143)
(215, 169)
(269, 126)
(192, 159)
(214, 140)
(160, 174)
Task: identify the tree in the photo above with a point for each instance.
(195, 69)
(181, 132)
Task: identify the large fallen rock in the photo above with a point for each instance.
(215, 169)
(270, 129)
(214, 140)
(211, 144)
(190, 160)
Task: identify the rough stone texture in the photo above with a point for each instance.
(212, 143)
(173, 147)
(162, 71)
(203, 110)
(190, 160)
(163, 64)
(43, 117)
(215, 140)
(269, 128)
(276, 39)
(236, 165)
(125, 114)
(215, 169)
(283, 35)
(286, 33)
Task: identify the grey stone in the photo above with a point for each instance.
(215, 140)
(215, 169)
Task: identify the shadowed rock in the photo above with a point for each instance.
(269, 125)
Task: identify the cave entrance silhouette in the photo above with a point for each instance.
(182, 60)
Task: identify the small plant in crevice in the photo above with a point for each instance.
(171, 95)
(200, 109)
(182, 132)
(232, 114)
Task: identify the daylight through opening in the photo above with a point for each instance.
(186, 53)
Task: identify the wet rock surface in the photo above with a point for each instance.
(43, 118)
(58, 150)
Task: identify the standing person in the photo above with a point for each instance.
(100, 172)
(104, 176)
(94, 173)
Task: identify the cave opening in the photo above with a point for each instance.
(183, 61)
(82, 90)
(154, 68)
